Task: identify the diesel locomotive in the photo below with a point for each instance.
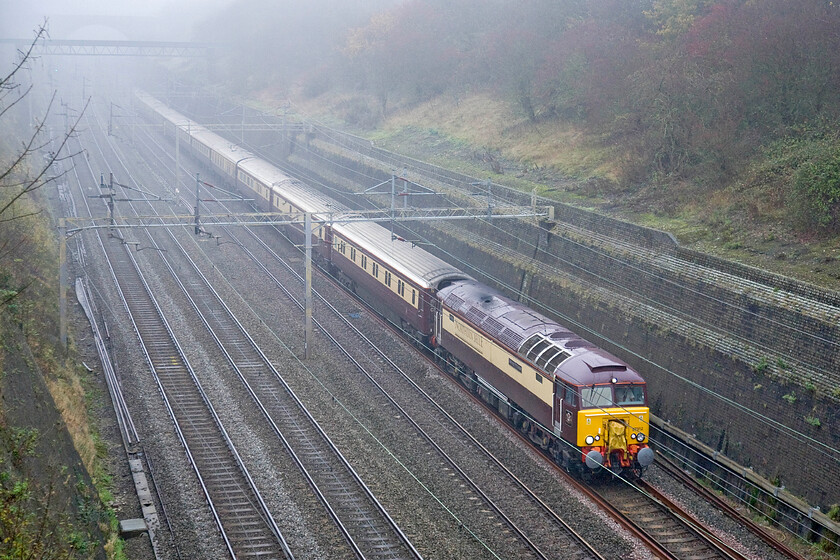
(581, 405)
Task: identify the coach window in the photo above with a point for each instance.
(387, 278)
(364, 262)
(413, 297)
(353, 254)
(375, 269)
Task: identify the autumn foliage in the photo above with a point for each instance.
(691, 88)
(688, 89)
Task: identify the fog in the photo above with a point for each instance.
(161, 20)
(264, 40)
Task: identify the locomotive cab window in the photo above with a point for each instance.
(596, 396)
(629, 395)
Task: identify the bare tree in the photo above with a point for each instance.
(18, 177)
(25, 167)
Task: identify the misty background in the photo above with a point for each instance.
(697, 95)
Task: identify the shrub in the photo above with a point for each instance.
(813, 420)
(816, 193)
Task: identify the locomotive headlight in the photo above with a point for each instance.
(640, 438)
(633, 435)
(590, 440)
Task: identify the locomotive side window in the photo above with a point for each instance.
(570, 396)
(513, 363)
(413, 297)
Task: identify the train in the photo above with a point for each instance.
(582, 406)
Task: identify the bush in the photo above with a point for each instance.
(816, 193)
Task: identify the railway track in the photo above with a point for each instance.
(361, 352)
(140, 463)
(666, 527)
(368, 528)
(245, 524)
(673, 539)
(667, 465)
(675, 534)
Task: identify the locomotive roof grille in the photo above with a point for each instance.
(543, 352)
(491, 325)
(476, 315)
(454, 301)
(511, 338)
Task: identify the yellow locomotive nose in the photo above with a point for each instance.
(614, 438)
